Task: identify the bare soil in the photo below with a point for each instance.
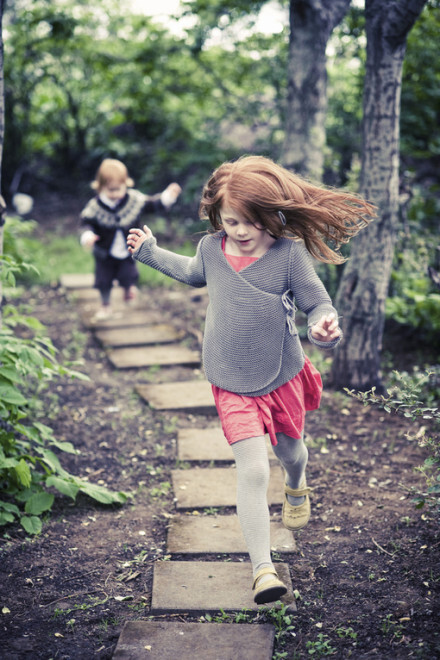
(367, 567)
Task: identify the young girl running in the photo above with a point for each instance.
(257, 268)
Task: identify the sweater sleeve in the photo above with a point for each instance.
(153, 203)
(189, 270)
(87, 220)
(310, 294)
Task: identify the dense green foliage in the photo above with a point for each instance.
(413, 299)
(84, 82)
(421, 92)
(30, 466)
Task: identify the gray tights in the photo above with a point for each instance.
(252, 464)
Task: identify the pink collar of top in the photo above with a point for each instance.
(237, 263)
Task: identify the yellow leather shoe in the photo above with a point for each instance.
(269, 590)
(296, 517)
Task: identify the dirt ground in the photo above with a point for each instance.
(367, 567)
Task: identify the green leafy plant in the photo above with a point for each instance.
(282, 619)
(161, 491)
(391, 627)
(29, 464)
(243, 616)
(321, 647)
(346, 633)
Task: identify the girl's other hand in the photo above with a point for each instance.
(326, 329)
(136, 237)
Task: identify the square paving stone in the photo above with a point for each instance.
(149, 356)
(193, 396)
(90, 295)
(84, 296)
(165, 640)
(214, 534)
(139, 336)
(200, 488)
(77, 280)
(198, 587)
(121, 317)
(208, 444)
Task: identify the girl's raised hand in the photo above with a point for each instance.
(136, 237)
(326, 329)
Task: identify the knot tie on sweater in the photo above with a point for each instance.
(289, 305)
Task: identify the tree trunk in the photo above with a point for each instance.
(311, 24)
(364, 285)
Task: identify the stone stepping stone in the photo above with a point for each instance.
(215, 534)
(92, 295)
(165, 640)
(198, 488)
(77, 280)
(194, 396)
(208, 444)
(122, 318)
(200, 587)
(88, 296)
(149, 356)
(139, 336)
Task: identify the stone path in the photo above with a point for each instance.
(195, 586)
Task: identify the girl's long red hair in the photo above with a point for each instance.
(258, 189)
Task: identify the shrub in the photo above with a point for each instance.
(29, 465)
(413, 299)
(415, 396)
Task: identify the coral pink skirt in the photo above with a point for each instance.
(280, 411)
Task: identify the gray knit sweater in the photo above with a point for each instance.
(251, 344)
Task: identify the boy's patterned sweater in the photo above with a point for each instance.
(105, 221)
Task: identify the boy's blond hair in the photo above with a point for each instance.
(111, 170)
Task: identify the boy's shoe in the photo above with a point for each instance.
(102, 314)
(269, 590)
(130, 295)
(296, 517)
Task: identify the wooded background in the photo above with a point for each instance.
(344, 94)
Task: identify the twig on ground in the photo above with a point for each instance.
(380, 548)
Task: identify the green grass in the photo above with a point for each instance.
(54, 256)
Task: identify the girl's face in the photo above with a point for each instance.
(114, 189)
(243, 238)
